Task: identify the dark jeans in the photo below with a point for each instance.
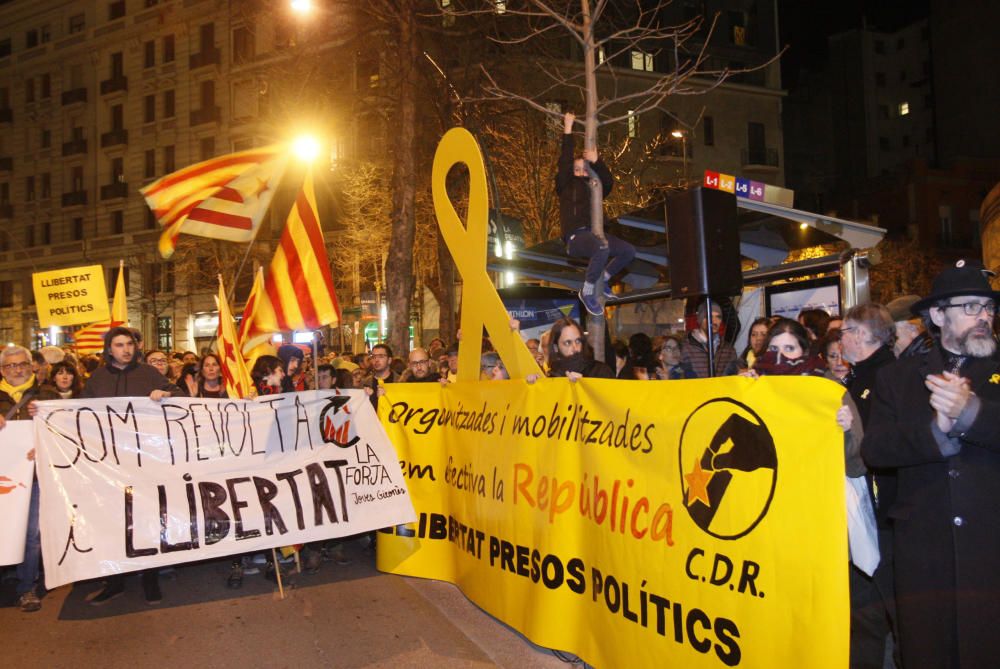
(27, 571)
(584, 244)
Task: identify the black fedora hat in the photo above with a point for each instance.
(965, 277)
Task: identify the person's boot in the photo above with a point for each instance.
(235, 579)
(151, 587)
(29, 602)
(114, 587)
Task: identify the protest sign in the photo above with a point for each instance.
(70, 296)
(128, 483)
(677, 523)
(16, 472)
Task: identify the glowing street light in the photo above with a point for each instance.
(681, 135)
(301, 6)
(305, 148)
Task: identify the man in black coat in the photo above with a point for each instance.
(575, 218)
(936, 418)
(123, 375)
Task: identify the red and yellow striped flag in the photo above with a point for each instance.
(254, 338)
(234, 368)
(90, 338)
(298, 290)
(223, 198)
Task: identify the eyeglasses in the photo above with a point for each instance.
(10, 366)
(419, 362)
(157, 361)
(974, 308)
(377, 355)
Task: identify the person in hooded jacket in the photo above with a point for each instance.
(122, 375)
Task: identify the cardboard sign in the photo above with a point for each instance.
(70, 296)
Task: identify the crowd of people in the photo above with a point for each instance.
(921, 376)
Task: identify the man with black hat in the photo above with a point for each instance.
(123, 375)
(936, 419)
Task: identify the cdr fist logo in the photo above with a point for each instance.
(335, 422)
(729, 468)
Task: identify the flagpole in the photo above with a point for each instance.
(315, 361)
(236, 279)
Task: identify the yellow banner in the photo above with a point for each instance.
(70, 296)
(636, 524)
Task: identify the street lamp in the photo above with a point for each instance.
(301, 6)
(681, 135)
(306, 148)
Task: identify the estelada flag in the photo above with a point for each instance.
(223, 198)
(90, 338)
(298, 289)
(234, 368)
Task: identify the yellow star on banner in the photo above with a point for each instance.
(697, 482)
(262, 186)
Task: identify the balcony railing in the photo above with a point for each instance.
(74, 147)
(6, 115)
(766, 157)
(113, 190)
(74, 198)
(114, 138)
(208, 115)
(211, 56)
(6, 164)
(74, 95)
(119, 83)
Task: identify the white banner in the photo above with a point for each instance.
(131, 484)
(16, 472)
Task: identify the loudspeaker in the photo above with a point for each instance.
(704, 243)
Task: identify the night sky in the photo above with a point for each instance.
(805, 24)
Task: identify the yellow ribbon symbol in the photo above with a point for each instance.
(481, 305)
(995, 378)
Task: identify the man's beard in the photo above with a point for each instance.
(977, 342)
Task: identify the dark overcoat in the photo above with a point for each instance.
(946, 516)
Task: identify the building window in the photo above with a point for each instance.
(118, 170)
(149, 170)
(76, 227)
(206, 38)
(642, 61)
(116, 10)
(46, 34)
(29, 235)
(708, 130)
(904, 108)
(168, 104)
(880, 79)
(168, 159)
(6, 293)
(883, 112)
(117, 65)
(77, 23)
(46, 233)
(168, 48)
(46, 86)
(31, 39)
(149, 54)
(76, 178)
(29, 189)
(5, 48)
(117, 222)
(4, 194)
(633, 124)
(243, 45)
(46, 185)
(45, 139)
(207, 94)
(164, 333)
(117, 117)
(150, 219)
(149, 108)
(206, 148)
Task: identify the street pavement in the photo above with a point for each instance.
(344, 616)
